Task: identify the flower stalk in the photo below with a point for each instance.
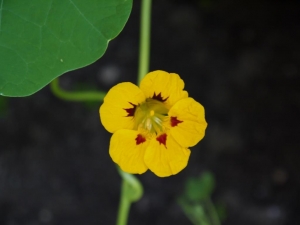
(131, 191)
(145, 27)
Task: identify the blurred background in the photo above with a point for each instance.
(240, 59)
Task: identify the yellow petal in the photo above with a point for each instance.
(168, 159)
(125, 151)
(113, 112)
(169, 85)
(191, 128)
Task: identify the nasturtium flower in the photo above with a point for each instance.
(153, 125)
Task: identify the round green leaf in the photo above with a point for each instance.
(42, 39)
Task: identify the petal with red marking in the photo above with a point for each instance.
(166, 159)
(127, 149)
(187, 122)
(163, 86)
(117, 110)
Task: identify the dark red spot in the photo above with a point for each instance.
(174, 121)
(162, 139)
(159, 97)
(131, 111)
(140, 139)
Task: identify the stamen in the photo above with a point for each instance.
(148, 124)
(150, 116)
(157, 120)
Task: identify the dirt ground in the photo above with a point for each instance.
(240, 59)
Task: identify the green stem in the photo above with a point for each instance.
(213, 212)
(144, 39)
(131, 191)
(124, 206)
(75, 95)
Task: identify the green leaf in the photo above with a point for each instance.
(197, 189)
(195, 212)
(221, 211)
(42, 39)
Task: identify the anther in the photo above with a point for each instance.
(148, 124)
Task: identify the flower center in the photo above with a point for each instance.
(150, 116)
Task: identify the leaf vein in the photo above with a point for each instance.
(47, 15)
(22, 18)
(89, 22)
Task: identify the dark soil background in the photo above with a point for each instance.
(240, 59)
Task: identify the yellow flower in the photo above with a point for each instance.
(153, 125)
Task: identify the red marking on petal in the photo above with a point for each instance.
(131, 111)
(174, 121)
(140, 139)
(162, 139)
(159, 97)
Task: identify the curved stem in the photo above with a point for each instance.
(75, 95)
(145, 27)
